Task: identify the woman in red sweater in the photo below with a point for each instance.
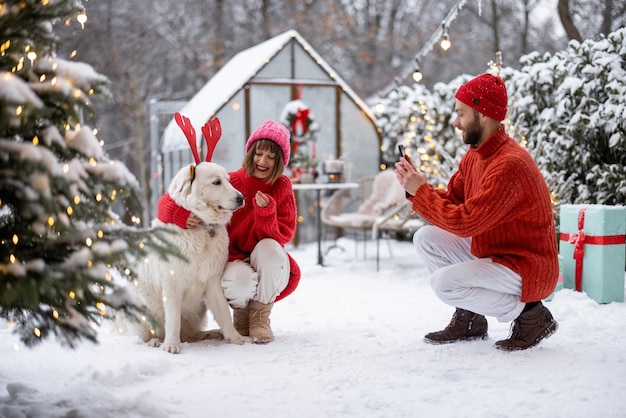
(259, 270)
(492, 246)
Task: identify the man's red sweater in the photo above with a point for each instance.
(499, 198)
(251, 223)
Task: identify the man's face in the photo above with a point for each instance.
(468, 122)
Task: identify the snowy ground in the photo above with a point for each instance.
(348, 344)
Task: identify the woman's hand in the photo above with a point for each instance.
(193, 221)
(262, 200)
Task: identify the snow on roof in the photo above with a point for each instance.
(233, 76)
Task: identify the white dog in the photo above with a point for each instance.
(178, 292)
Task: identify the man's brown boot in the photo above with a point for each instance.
(241, 320)
(464, 326)
(260, 330)
(529, 328)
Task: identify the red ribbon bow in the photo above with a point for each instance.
(302, 115)
(580, 239)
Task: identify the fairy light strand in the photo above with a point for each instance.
(434, 39)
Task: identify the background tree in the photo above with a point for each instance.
(572, 105)
(588, 19)
(63, 252)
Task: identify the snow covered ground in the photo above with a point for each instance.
(348, 344)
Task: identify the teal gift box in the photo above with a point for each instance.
(592, 244)
(559, 286)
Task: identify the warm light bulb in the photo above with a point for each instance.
(417, 75)
(82, 18)
(445, 42)
(32, 56)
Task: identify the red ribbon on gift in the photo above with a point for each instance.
(302, 115)
(580, 239)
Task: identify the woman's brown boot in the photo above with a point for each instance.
(260, 330)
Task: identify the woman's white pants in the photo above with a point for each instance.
(464, 281)
(261, 277)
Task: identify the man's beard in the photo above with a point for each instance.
(473, 133)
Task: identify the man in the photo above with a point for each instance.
(491, 247)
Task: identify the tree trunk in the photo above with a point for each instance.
(496, 23)
(526, 25)
(568, 22)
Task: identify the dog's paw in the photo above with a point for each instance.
(240, 340)
(154, 342)
(172, 348)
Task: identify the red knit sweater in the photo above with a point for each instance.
(500, 199)
(251, 223)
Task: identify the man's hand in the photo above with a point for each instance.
(409, 177)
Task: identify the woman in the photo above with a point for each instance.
(259, 270)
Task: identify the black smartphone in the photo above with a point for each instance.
(401, 149)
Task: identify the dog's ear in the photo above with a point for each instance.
(181, 183)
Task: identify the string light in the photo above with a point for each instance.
(32, 56)
(82, 18)
(5, 46)
(417, 74)
(435, 38)
(497, 65)
(445, 39)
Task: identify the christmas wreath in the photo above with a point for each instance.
(300, 121)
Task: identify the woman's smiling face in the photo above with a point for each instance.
(264, 162)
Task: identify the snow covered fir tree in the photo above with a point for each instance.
(64, 253)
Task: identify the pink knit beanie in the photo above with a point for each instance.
(275, 132)
(485, 94)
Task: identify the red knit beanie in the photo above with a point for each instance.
(485, 94)
(274, 132)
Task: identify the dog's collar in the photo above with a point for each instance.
(212, 228)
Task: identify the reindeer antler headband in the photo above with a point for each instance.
(212, 132)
